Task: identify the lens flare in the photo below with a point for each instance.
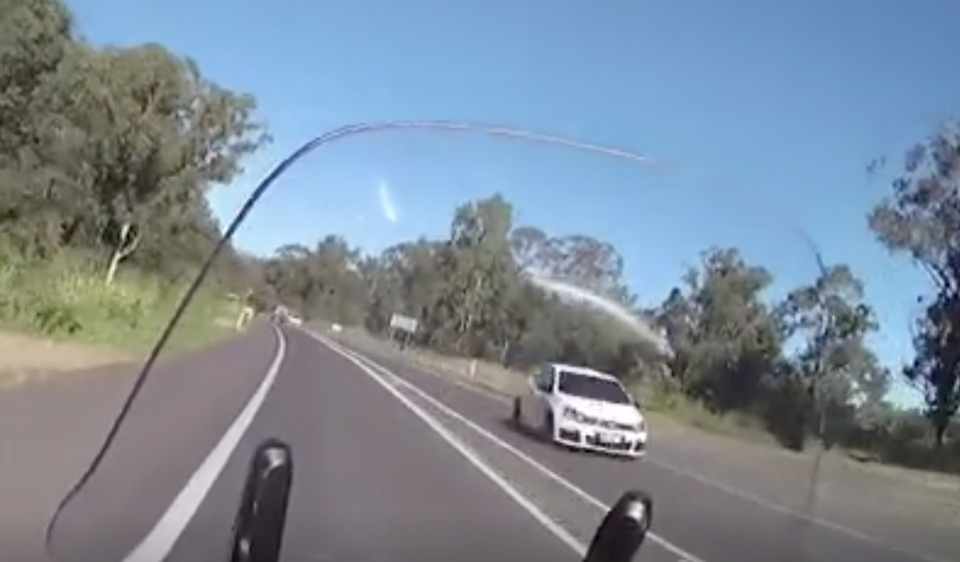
(640, 327)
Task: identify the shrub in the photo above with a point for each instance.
(66, 298)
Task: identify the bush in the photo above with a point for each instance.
(66, 298)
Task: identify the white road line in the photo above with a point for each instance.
(399, 381)
(716, 484)
(160, 540)
(474, 459)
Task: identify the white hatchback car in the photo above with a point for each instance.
(582, 408)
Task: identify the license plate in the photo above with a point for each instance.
(607, 437)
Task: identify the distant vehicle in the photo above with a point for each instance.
(582, 408)
(283, 315)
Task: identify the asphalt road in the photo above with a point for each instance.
(392, 465)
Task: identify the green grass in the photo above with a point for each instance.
(679, 408)
(65, 298)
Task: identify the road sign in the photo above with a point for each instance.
(404, 323)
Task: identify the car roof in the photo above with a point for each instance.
(586, 371)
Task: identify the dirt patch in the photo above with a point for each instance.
(28, 359)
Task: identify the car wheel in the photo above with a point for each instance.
(547, 428)
(516, 416)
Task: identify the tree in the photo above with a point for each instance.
(731, 339)
(104, 151)
(919, 220)
(147, 136)
(934, 369)
(479, 266)
(833, 362)
(530, 247)
(34, 36)
(677, 317)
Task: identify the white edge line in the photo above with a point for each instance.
(474, 459)
(356, 357)
(160, 540)
(735, 492)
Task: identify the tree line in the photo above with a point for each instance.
(110, 152)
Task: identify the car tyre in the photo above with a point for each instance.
(516, 415)
(546, 429)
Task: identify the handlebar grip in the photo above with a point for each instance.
(623, 530)
(261, 517)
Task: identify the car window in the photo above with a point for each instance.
(594, 388)
(544, 380)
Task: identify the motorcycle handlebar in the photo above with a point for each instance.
(261, 517)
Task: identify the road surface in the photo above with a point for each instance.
(392, 465)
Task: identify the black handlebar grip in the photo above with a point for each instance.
(261, 517)
(623, 530)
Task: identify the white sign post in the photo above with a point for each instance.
(405, 324)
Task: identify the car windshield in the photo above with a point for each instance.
(591, 387)
(359, 227)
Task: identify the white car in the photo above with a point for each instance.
(582, 408)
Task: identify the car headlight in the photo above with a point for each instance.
(642, 426)
(573, 414)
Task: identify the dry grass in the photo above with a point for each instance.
(77, 321)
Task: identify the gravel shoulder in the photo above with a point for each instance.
(29, 359)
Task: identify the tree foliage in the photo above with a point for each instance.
(921, 220)
(111, 150)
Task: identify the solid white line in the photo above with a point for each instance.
(397, 380)
(716, 484)
(474, 459)
(160, 540)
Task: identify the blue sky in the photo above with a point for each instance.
(749, 100)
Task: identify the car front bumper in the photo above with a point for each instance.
(592, 438)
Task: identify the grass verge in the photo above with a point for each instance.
(67, 305)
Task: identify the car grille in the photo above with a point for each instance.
(614, 425)
(607, 424)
